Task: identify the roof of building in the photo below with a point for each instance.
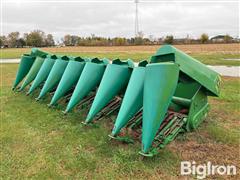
(220, 37)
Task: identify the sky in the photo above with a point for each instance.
(115, 18)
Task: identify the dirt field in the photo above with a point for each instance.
(206, 48)
(211, 54)
(198, 48)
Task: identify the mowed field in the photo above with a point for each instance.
(212, 54)
(38, 142)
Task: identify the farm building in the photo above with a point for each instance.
(221, 38)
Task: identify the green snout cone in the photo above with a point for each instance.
(68, 80)
(33, 72)
(23, 69)
(43, 73)
(115, 79)
(132, 101)
(54, 77)
(90, 78)
(159, 86)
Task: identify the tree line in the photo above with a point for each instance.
(38, 38)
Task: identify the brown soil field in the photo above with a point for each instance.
(196, 48)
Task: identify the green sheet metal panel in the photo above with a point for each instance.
(55, 76)
(190, 66)
(33, 71)
(90, 78)
(159, 86)
(100, 61)
(38, 52)
(128, 63)
(198, 109)
(43, 72)
(133, 98)
(23, 68)
(115, 79)
(69, 79)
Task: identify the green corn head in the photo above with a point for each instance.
(156, 100)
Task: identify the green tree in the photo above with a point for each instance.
(35, 38)
(118, 41)
(139, 39)
(21, 42)
(169, 39)
(227, 38)
(204, 38)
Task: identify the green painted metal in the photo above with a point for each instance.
(133, 98)
(124, 139)
(198, 110)
(167, 133)
(173, 83)
(37, 52)
(192, 96)
(184, 93)
(128, 63)
(191, 67)
(33, 71)
(159, 86)
(69, 78)
(100, 61)
(54, 76)
(115, 80)
(174, 126)
(43, 72)
(90, 78)
(23, 68)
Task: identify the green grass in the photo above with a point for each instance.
(41, 143)
(218, 59)
(210, 59)
(225, 136)
(226, 107)
(13, 53)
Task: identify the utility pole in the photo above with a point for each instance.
(136, 18)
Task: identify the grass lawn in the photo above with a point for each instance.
(40, 142)
(212, 54)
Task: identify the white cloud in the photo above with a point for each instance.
(111, 19)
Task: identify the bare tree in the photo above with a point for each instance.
(12, 39)
(3, 41)
(67, 40)
(49, 40)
